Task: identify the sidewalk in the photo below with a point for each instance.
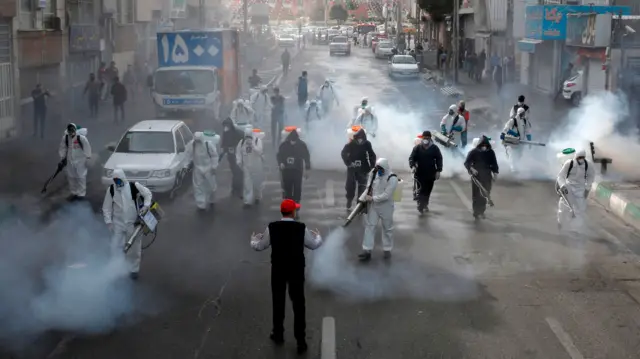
(622, 199)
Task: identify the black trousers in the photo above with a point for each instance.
(279, 283)
(479, 203)
(94, 102)
(292, 184)
(237, 176)
(355, 180)
(277, 124)
(426, 186)
(39, 115)
(118, 107)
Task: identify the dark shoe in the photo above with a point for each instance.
(387, 255)
(365, 256)
(134, 275)
(420, 209)
(483, 216)
(277, 339)
(426, 208)
(302, 347)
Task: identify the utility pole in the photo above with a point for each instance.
(510, 43)
(455, 60)
(385, 13)
(201, 14)
(326, 12)
(399, 19)
(245, 16)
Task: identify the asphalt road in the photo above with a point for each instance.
(508, 287)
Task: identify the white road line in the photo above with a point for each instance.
(461, 195)
(328, 347)
(564, 338)
(330, 199)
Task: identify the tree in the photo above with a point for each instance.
(338, 13)
(438, 9)
(352, 5)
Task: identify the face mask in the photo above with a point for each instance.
(580, 160)
(450, 112)
(226, 129)
(292, 142)
(359, 141)
(380, 172)
(118, 182)
(484, 149)
(426, 142)
(520, 103)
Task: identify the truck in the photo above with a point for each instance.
(198, 72)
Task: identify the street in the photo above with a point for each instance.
(510, 286)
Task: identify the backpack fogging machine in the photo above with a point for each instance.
(446, 141)
(512, 140)
(146, 224)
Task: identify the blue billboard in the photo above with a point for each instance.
(549, 22)
(190, 48)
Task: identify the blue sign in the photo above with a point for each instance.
(190, 48)
(84, 38)
(183, 101)
(549, 22)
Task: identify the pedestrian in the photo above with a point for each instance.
(250, 157)
(261, 105)
(277, 116)
(74, 152)
(231, 136)
(480, 65)
(287, 239)
(293, 159)
(39, 97)
(497, 76)
(119, 94)
(254, 79)
(111, 73)
(425, 162)
(382, 184)
(303, 89)
(130, 81)
(92, 88)
(205, 164)
(286, 60)
(102, 78)
(464, 113)
(481, 164)
(120, 210)
(359, 158)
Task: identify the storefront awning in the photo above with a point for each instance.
(528, 45)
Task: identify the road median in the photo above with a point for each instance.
(622, 199)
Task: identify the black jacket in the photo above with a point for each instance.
(293, 156)
(427, 160)
(483, 161)
(231, 138)
(287, 248)
(360, 157)
(119, 93)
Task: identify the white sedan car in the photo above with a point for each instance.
(403, 66)
(154, 153)
(286, 40)
(383, 49)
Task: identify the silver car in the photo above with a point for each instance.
(340, 45)
(384, 49)
(403, 66)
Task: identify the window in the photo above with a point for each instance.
(186, 134)
(126, 11)
(196, 82)
(37, 14)
(179, 142)
(340, 40)
(147, 142)
(403, 60)
(81, 11)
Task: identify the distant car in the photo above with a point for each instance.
(383, 49)
(375, 39)
(403, 66)
(572, 88)
(333, 33)
(323, 38)
(286, 40)
(153, 153)
(340, 45)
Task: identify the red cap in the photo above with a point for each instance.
(288, 206)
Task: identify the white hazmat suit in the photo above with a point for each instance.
(249, 157)
(76, 149)
(453, 122)
(120, 214)
(380, 208)
(576, 177)
(327, 95)
(520, 128)
(242, 113)
(367, 119)
(205, 164)
(261, 105)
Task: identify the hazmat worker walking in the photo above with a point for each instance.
(288, 239)
(426, 164)
(261, 105)
(293, 159)
(205, 164)
(359, 158)
(120, 209)
(242, 113)
(231, 136)
(74, 152)
(249, 157)
(380, 208)
(277, 116)
(481, 164)
(574, 181)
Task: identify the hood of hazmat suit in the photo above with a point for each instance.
(381, 207)
(261, 103)
(205, 163)
(249, 156)
(120, 209)
(241, 113)
(576, 176)
(76, 150)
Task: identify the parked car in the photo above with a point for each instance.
(403, 66)
(572, 89)
(383, 50)
(286, 40)
(340, 45)
(153, 153)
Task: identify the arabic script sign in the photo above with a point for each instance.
(84, 38)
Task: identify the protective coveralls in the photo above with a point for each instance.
(482, 164)
(363, 104)
(575, 179)
(293, 159)
(367, 119)
(453, 124)
(230, 139)
(520, 104)
(261, 105)
(75, 150)
(359, 158)
(313, 112)
(249, 158)
(120, 213)
(327, 95)
(242, 113)
(380, 207)
(520, 128)
(205, 164)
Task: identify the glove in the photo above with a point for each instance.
(494, 175)
(282, 166)
(413, 170)
(502, 136)
(586, 193)
(564, 190)
(144, 210)
(437, 175)
(368, 198)
(473, 171)
(529, 137)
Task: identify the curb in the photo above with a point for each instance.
(611, 196)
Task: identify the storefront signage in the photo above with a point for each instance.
(549, 22)
(589, 30)
(84, 38)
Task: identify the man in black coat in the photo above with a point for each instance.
(426, 164)
(231, 135)
(359, 158)
(292, 155)
(482, 164)
(288, 239)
